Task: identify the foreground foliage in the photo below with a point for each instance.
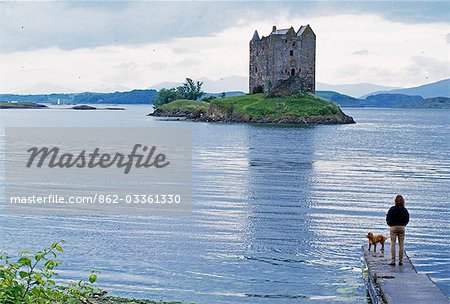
(29, 278)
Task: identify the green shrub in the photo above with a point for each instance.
(209, 98)
(165, 96)
(28, 279)
(191, 90)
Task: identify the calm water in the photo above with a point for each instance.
(279, 213)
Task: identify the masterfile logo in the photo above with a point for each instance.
(52, 157)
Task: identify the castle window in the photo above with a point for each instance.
(291, 52)
(293, 43)
(293, 72)
(256, 70)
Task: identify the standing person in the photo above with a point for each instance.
(397, 218)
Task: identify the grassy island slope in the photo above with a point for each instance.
(302, 108)
(186, 105)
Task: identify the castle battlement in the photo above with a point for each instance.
(282, 55)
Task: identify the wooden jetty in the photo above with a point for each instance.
(399, 284)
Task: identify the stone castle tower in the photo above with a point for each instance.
(285, 58)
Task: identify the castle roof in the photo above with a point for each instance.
(302, 29)
(288, 31)
(255, 36)
(280, 32)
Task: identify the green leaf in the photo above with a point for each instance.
(25, 261)
(39, 256)
(39, 279)
(93, 278)
(23, 274)
(50, 264)
(59, 248)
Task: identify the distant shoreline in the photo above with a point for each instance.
(21, 105)
(32, 105)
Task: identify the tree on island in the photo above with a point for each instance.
(191, 90)
(165, 96)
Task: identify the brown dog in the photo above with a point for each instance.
(374, 239)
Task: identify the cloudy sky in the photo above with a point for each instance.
(108, 46)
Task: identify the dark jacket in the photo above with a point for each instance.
(397, 216)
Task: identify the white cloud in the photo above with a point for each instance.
(394, 52)
(30, 25)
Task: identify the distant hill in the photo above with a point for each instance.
(240, 83)
(435, 89)
(340, 99)
(357, 90)
(429, 103)
(353, 90)
(386, 101)
(130, 97)
(229, 83)
(165, 85)
(389, 100)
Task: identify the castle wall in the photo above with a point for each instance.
(308, 59)
(276, 58)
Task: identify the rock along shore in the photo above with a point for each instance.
(219, 115)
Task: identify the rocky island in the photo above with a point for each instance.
(88, 108)
(21, 105)
(282, 86)
(258, 108)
